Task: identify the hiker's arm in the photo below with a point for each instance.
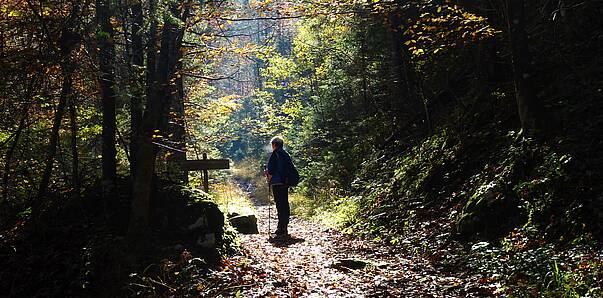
(271, 168)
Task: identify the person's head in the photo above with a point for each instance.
(277, 142)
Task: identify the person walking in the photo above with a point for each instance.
(276, 173)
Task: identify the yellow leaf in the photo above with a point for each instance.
(14, 13)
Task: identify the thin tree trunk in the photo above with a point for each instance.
(107, 84)
(139, 82)
(528, 103)
(54, 139)
(178, 131)
(405, 92)
(10, 153)
(74, 153)
(152, 52)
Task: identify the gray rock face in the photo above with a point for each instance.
(245, 224)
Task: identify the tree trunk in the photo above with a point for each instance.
(528, 103)
(75, 166)
(408, 101)
(54, 139)
(141, 188)
(9, 157)
(154, 121)
(152, 52)
(107, 84)
(178, 130)
(139, 82)
(144, 167)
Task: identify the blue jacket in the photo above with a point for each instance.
(277, 165)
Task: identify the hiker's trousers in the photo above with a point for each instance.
(281, 199)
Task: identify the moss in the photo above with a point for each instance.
(517, 189)
(416, 168)
(488, 211)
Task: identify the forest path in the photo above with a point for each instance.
(308, 264)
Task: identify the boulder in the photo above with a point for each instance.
(489, 212)
(245, 224)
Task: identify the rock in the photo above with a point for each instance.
(205, 224)
(201, 223)
(245, 224)
(184, 215)
(350, 264)
(207, 240)
(489, 212)
(279, 283)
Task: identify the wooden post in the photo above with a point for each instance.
(205, 176)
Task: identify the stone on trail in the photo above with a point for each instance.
(245, 224)
(350, 264)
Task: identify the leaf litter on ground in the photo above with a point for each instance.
(316, 261)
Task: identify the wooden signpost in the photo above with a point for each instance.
(205, 165)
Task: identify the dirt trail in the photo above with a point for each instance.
(309, 265)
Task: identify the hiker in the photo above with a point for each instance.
(276, 173)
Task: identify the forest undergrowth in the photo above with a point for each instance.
(504, 206)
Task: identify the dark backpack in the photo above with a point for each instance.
(292, 178)
(291, 173)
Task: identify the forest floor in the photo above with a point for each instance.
(317, 261)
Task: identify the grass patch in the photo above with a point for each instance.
(342, 213)
(249, 172)
(232, 199)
